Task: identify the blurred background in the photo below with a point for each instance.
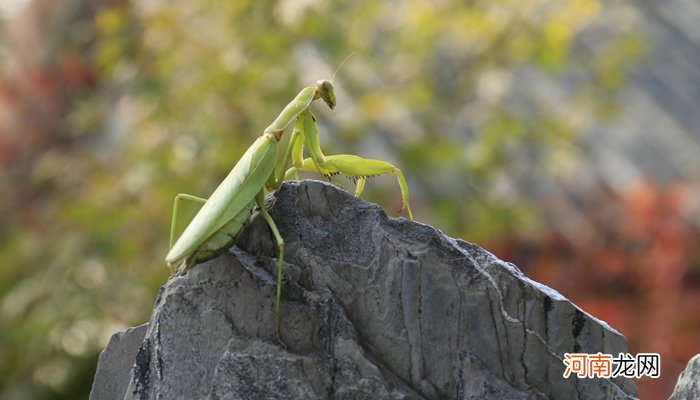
(560, 135)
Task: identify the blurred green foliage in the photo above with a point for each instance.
(183, 87)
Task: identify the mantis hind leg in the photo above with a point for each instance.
(260, 199)
(359, 169)
(181, 196)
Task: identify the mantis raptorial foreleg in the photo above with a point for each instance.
(355, 167)
(358, 168)
(360, 186)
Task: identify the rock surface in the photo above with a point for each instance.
(373, 308)
(115, 362)
(688, 386)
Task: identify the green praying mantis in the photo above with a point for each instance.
(224, 214)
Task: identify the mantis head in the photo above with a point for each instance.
(324, 90)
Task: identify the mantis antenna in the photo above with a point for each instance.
(352, 53)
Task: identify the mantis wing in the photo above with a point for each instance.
(234, 194)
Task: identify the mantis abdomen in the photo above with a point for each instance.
(223, 238)
(231, 200)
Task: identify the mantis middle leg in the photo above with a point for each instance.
(181, 196)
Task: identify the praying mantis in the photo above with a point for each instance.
(224, 214)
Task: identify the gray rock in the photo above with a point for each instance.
(373, 308)
(114, 365)
(688, 386)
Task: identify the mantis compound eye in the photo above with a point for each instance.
(325, 91)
